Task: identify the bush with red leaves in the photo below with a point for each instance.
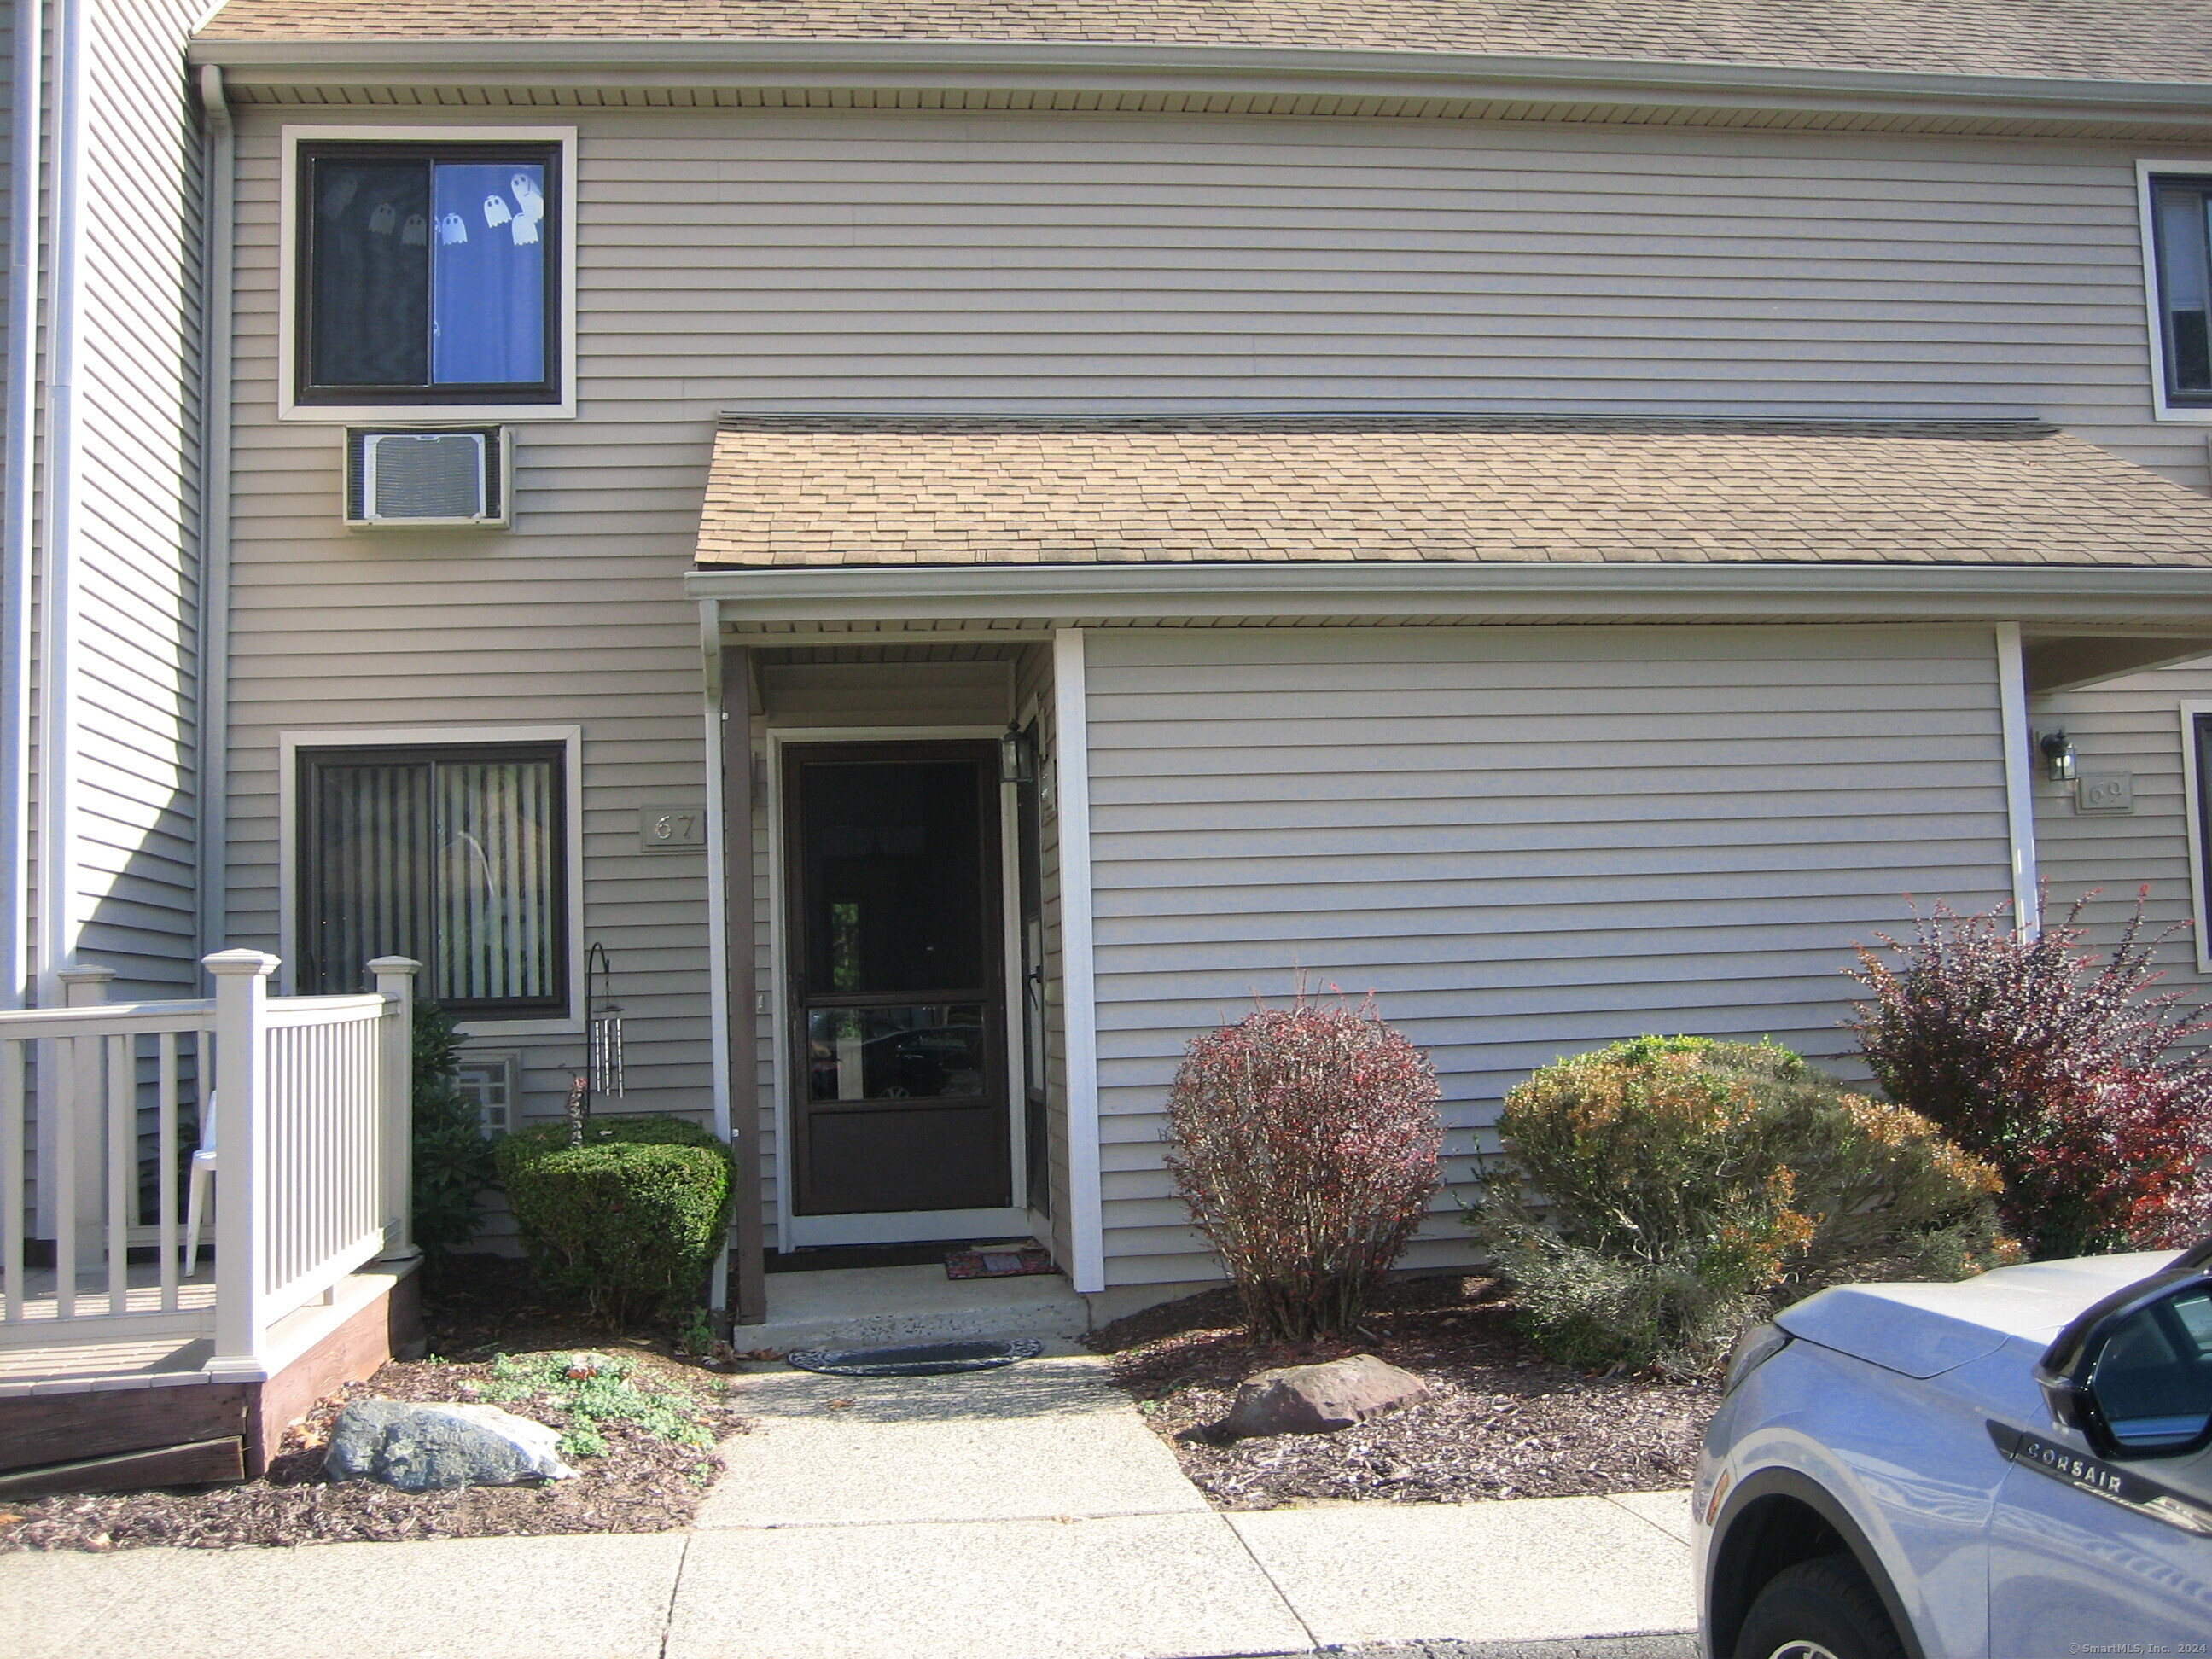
(1305, 1141)
(2051, 1064)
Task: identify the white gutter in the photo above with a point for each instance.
(2020, 781)
(2066, 598)
(58, 576)
(1399, 72)
(1087, 1227)
(18, 514)
(215, 517)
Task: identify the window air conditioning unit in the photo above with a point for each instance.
(428, 479)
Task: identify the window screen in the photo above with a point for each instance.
(2182, 234)
(454, 858)
(427, 275)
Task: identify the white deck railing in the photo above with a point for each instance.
(308, 1133)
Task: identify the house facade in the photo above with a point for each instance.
(959, 544)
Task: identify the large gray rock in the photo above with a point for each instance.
(1315, 1399)
(419, 1447)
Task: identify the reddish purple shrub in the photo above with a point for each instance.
(1305, 1141)
(2051, 1063)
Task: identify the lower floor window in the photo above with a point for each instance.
(455, 857)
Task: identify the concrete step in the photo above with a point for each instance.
(878, 1307)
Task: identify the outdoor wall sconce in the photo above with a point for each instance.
(2057, 757)
(1017, 756)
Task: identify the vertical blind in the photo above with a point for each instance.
(453, 860)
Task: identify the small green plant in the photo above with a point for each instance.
(631, 1219)
(451, 1161)
(695, 1331)
(594, 1389)
(1657, 1194)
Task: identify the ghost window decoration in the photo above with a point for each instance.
(495, 211)
(531, 204)
(415, 233)
(452, 229)
(383, 219)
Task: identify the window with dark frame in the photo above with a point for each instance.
(2181, 233)
(457, 857)
(429, 274)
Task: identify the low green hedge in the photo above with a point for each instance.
(631, 1219)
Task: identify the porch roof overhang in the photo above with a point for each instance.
(1021, 523)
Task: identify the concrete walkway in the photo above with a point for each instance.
(1023, 1514)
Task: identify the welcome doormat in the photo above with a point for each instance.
(1015, 1262)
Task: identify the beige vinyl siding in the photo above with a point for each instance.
(842, 260)
(2132, 725)
(862, 261)
(136, 620)
(1524, 841)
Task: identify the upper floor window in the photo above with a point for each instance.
(2181, 233)
(429, 274)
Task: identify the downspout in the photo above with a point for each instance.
(18, 514)
(57, 579)
(215, 517)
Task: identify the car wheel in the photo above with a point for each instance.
(1820, 1609)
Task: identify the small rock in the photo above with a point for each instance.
(1315, 1399)
(425, 1447)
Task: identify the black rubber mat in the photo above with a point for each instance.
(923, 1359)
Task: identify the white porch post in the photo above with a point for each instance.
(1079, 992)
(395, 1085)
(83, 1163)
(2020, 781)
(241, 1086)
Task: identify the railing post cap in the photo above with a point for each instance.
(394, 965)
(241, 961)
(86, 973)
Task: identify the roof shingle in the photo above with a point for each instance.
(798, 491)
(2146, 40)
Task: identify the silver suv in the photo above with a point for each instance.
(2011, 1467)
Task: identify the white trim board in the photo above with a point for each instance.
(571, 738)
(290, 138)
(2020, 781)
(1086, 1230)
(792, 1231)
(2192, 788)
(2148, 230)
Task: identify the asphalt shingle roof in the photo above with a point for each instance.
(792, 491)
(2153, 41)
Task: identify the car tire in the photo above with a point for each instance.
(1818, 1609)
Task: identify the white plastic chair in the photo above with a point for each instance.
(202, 1172)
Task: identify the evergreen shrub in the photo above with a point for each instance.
(630, 1220)
(1656, 1196)
(451, 1161)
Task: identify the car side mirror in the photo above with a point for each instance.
(2133, 1374)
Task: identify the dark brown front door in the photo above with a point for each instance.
(892, 880)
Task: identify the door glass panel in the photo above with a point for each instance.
(893, 884)
(930, 1052)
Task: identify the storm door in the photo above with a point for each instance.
(891, 851)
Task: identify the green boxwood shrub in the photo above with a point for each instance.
(631, 1219)
(1657, 1194)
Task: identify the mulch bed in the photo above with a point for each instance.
(1504, 1421)
(642, 1484)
